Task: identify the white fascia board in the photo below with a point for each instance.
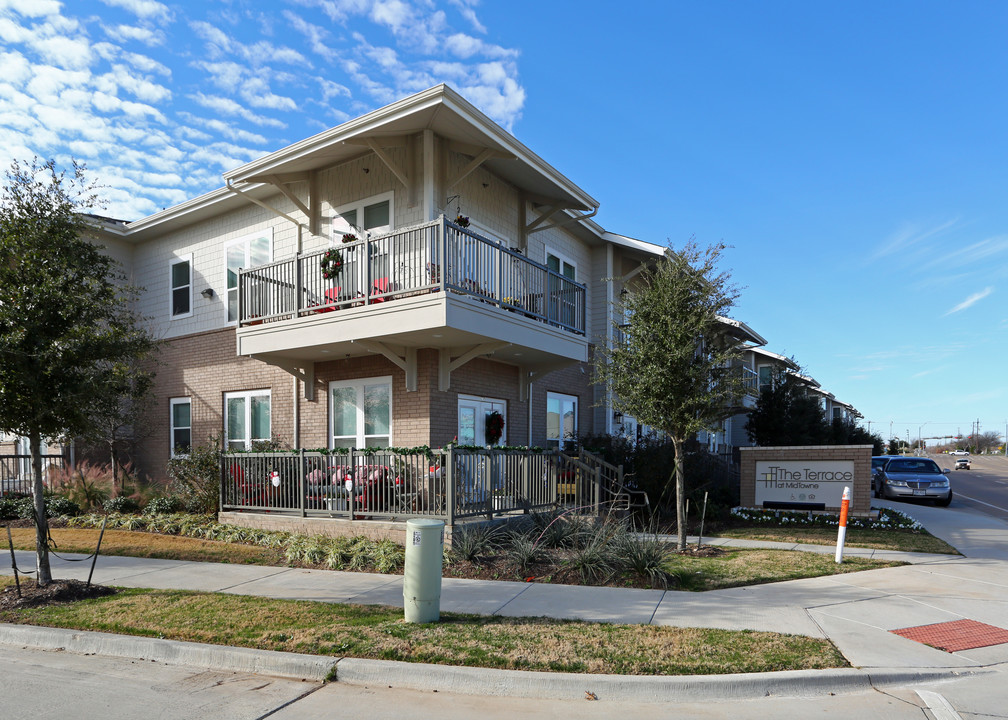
(632, 243)
(786, 361)
(745, 331)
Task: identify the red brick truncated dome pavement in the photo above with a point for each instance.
(956, 635)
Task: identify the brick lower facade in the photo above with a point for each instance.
(203, 367)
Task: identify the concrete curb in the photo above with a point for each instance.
(172, 652)
(573, 686)
(472, 681)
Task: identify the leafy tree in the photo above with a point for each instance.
(66, 321)
(786, 415)
(675, 368)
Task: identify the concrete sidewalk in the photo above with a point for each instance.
(857, 611)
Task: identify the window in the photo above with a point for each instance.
(180, 299)
(561, 419)
(249, 251)
(246, 418)
(361, 412)
(765, 377)
(562, 295)
(372, 215)
(181, 426)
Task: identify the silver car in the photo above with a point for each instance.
(914, 478)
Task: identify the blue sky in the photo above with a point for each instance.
(853, 155)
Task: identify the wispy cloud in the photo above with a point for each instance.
(908, 236)
(970, 301)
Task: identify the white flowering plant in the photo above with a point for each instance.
(887, 519)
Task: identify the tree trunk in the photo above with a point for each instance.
(680, 487)
(115, 468)
(41, 521)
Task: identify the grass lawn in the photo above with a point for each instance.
(923, 542)
(470, 640)
(730, 568)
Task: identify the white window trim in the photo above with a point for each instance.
(358, 385)
(577, 410)
(171, 424)
(245, 240)
(358, 206)
(547, 251)
(247, 395)
(171, 290)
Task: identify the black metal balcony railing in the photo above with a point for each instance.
(432, 257)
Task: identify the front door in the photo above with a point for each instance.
(472, 420)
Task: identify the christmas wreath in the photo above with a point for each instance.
(494, 427)
(332, 263)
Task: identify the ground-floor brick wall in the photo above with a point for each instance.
(204, 367)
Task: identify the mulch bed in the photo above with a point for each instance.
(56, 592)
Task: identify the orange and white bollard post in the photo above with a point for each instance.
(842, 532)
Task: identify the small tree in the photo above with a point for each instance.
(786, 415)
(66, 321)
(676, 368)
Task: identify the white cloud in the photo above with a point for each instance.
(970, 301)
(147, 36)
(465, 8)
(258, 94)
(145, 9)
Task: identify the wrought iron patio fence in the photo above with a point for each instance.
(16, 472)
(449, 484)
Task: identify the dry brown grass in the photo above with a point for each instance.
(152, 545)
(381, 633)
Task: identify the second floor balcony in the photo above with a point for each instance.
(431, 285)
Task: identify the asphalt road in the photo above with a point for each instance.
(984, 487)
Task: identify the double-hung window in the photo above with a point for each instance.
(246, 418)
(247, 252)
(765, 378)
(369, 216)
(181, 426)
(361, 413)
(180, 277)
(561, 419)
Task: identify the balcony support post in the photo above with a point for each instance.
(406, 363)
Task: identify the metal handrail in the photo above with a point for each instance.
(428, 257)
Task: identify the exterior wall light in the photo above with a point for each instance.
(208, 293)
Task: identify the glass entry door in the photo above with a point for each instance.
(472, 420)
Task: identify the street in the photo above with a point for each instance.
(63, 685)
(984, 487)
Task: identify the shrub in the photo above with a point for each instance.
(87, 485)
(470, 543)
(165, 505)
(121, 504)
(58, 505)
(195, 478)
(645, 555)
(9, 506)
